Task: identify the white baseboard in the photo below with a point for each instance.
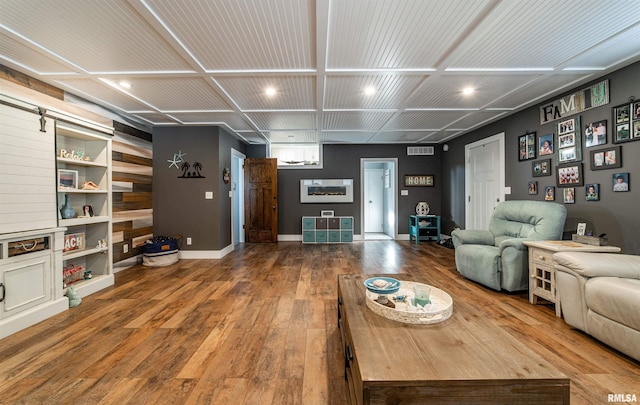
(205, 254)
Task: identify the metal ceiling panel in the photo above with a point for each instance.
(446, 91)
(156, 118)
(396, 34)
(292, 137)
(285, 121)
(346, 137)
(400, 136)
(542, 34)
(425, 120)
(232, 120)
(389, 91)
(291, 92)
(96, 36)
(243, 34)
(14, 50)
(619, 48)
(476, 119)
(87, 88)
(356, 120)
(172, 93)
(538, 90)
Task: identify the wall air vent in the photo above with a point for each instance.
(420, 151)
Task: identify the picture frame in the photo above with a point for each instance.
(569, 144)
(595, 133)
(620, 182)
(419, 180)
(549, 193)
(533, 187)
(582, 228)
(567, 154)
(569, 175)
(606, 158)
(540, 168)
(67, 179)
(545, 145)
(527, 146)
(626, 122)
(87, 211)
(569, 195)
(592, 192)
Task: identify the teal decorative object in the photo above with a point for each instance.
(74, 298)
(67, 210)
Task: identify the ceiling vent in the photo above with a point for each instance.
(420, 150)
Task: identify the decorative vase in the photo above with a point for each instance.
(67, 210)
(422, 208)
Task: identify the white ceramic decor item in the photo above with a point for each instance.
(422, 208)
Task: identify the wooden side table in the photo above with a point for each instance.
(542, 274)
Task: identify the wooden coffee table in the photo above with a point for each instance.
(463, 360)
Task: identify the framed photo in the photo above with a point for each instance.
(418, 180)
(592, 192)
(569, 143)
(636, 129)
(595, 133)
(527, 146)
(569, 195)
(67, 179)
(541, 168)
(582, 228)
(545, 145)
(533, 187)
(620, 182)
(549, 193)
(567, 140)
(626, 127)
(607, 158)
(87, 211)
(570, 175)
(567, 154)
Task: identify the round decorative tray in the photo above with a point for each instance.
(439, 310)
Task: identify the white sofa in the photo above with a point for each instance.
(600, 294)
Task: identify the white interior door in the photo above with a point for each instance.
(485, 177)
(237, 196)
(374, 200)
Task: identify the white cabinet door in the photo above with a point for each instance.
(26, 283)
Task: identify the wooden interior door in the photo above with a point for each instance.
(261, 200)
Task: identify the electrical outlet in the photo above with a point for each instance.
(188, 241)
(125, 248)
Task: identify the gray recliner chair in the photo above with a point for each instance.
(497, 258)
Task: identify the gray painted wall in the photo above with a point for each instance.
(616, 214)
(343, 162)
(179, 205)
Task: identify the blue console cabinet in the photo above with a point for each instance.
(327, 229)
(425, 227)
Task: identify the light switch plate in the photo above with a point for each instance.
(404, 192)
(507, 190)
(208, 195)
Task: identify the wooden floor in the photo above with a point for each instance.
(260, 327)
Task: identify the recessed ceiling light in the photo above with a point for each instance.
(468, 90)
(124, 84)
(369, 90)
(270, 91)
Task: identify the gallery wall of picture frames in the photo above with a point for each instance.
(566, 144)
